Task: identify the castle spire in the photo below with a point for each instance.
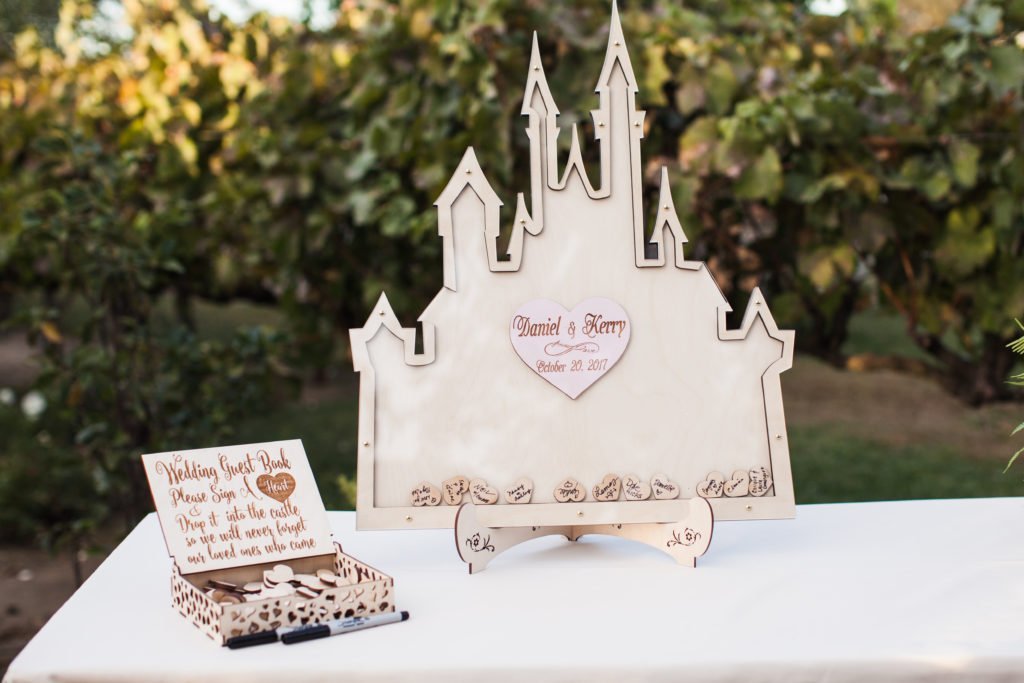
(537, 84)
(620, 127)
(470, 174)
(667, 220)
(542, 130)
(616, 53)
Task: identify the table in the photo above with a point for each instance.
(900, 591)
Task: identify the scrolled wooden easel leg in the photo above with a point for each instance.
(684, 541)
(478, 544)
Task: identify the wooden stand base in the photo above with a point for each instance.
(684, 540)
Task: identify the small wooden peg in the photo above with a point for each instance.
(569, 491)
(739, 485)
(663, 488)
(452, 490)
(425, 494)
(608, 489)
(634, 488)
(482, 494)
(521, 491)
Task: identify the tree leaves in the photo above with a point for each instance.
(964, 159)
(762, 179)
(1006, 71)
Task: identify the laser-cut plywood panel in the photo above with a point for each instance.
(688, 399)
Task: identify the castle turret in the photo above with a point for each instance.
(542, 129)
(619, 127)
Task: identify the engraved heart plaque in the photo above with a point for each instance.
(278, 487)
(570, 349)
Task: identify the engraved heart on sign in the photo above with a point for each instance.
(570, 349)
(278, 487)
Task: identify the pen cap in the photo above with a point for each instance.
(308, 633)
(260, 638)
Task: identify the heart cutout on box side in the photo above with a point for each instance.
(570, 349)
(278, 486)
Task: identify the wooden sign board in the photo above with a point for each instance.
(251, 543)
(238, 505)
(592, 352)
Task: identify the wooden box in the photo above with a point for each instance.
(368, 591)
(231, 514)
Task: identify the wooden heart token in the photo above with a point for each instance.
(281, 573)
(712, 486)
(663, 488)
(482, 494)
(739, 485)
(310, 581)
(278, 486)
(569, 491)
(634, 488)
(281, 590)
(570, 349)
(760, 481)
(425, 494)
(453, 489)
(327, 576)
(608, 489)
(521, 491)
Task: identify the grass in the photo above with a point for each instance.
(831, 466)
(883, 333)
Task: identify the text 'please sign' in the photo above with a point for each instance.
(570, 349)
(238, 505)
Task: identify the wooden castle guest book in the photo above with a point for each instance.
(582, 379)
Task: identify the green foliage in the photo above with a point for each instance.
(822, 158)
(328, 431)
(16, 15)
(114, 385)
(834, 157)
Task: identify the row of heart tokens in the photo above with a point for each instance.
(755, 482)
(630, 487)
(279, 582)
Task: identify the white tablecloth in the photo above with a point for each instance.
(905, 591)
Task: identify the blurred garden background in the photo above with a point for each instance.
(197, 201)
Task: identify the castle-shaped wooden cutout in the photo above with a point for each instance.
(688, 400)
